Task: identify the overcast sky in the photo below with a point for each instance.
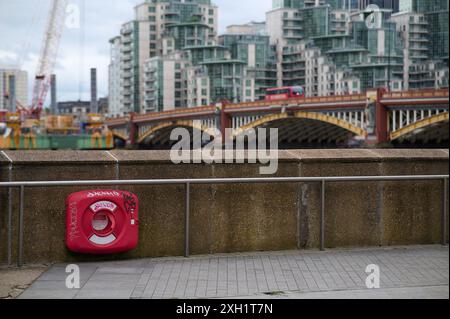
(22, 24)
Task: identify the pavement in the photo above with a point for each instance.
(417, 272)
(14, 281)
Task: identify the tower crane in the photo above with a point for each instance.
(47, 58)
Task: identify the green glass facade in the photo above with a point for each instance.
(206, 53)
(384, 61)
(436, 13)
(188, 34)
(258, 54)
(348, 46)
(226, 80)
(178, 12)
(343, 4)
(130, 65)
(293, 4)
(316, 21)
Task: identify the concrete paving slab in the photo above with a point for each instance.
(14, 281)
(416, 272)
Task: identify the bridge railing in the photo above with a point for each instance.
(300, 101)
(213, 181)
(116, 121)
(203, 109)
(173, 113)
(417, 94)
(442, 93)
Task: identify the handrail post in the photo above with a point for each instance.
(186, 220)
(444, 212)
(10, 209)
(21, 210)
(322, 216)
(10, 213)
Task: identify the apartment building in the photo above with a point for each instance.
(198, 82)
(115, 87)
(322, 34)
(415, 36)
(163, 82)
(260, 58)
(159, 27)
(171, 57)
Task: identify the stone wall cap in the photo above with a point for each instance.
(368, 154)
(412, 153)
(129, 157)
(141, 156)
(50, 157)
(164, 156)
(3, 159)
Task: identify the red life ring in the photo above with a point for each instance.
(102, 222)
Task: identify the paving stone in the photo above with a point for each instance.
(412, 272)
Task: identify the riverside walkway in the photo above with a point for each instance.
(405, 272)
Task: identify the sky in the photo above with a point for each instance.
(22, 25)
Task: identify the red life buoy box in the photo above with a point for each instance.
(102, 222)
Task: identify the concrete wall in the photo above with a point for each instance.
(236, 218)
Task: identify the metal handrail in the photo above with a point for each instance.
(136, 182)
(215, 181)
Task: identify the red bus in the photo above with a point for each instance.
(284, 93)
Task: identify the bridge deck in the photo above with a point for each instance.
(385, 113)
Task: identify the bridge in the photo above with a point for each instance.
(378, 117)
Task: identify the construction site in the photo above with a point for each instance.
(32, 127)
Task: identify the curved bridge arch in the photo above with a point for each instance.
(436, 119)
(159, 127)
(120, 136)
(303, 115)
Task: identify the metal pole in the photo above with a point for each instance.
(20, 248)
(10, 209)
(444, 212)
(322, 216)
(186, 221)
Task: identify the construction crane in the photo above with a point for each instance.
(47, 58)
